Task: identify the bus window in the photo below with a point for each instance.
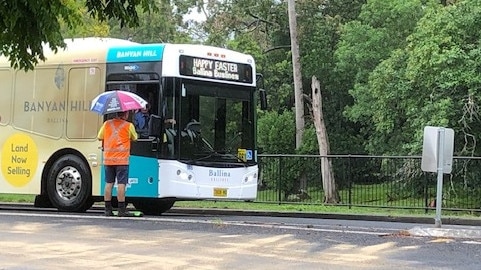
(224, 122)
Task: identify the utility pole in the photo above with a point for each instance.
(296, 66)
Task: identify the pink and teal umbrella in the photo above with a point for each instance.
(117, 101)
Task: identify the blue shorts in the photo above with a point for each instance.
(121, 172)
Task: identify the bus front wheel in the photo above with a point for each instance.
(69, 185)
(153, 206)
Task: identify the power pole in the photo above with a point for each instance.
(296, 66)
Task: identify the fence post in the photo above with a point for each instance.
(426, 199)
(279, 181)
(349, 169)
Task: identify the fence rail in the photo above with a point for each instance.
(370, 181)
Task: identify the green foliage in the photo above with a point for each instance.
(153, 27)
(88, 27)
(319, 37)
(310, 145)
(123, 10)
(247, 44)
(387, 114)
(275, 136)
(276, 132)
(27, 25)
(433, 80)
(371, 53)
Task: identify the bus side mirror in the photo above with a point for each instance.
(263, 99)
(155, 125)
(262, 91)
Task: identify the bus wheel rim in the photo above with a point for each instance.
(68, 183)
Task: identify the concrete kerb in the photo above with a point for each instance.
(385, 218)
(452, 227)
(467, 233)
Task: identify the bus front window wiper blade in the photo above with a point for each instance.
(221, 155)
(236, 157)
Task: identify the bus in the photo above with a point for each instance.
(48, 134)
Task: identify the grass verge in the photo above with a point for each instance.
(286, 207)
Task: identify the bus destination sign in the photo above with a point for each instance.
(215, 69)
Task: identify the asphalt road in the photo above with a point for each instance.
(49, 240)
(450, 227)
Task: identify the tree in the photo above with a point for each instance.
(381, 28)
(319, 37)
(328, 182)
(434, 80)
(165, 25)
(28, 25)
(87, 27)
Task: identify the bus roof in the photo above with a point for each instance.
(112, 50)
(162, 51)
(78, 50)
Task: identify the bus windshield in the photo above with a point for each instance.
(215, 123)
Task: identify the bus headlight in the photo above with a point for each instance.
(184, 175)
(251, 177)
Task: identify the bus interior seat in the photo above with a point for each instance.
(193, 125)
(192, 130)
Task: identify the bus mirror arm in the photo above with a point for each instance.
(262, 91)
(263, 99)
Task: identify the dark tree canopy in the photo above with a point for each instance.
(27, 25)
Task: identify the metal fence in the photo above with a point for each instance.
(370, 181)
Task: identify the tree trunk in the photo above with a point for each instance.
(328, 182)
(296, 66)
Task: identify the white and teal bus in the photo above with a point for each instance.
(208, 152)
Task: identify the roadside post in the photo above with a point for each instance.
(438, 146)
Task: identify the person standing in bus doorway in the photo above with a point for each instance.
(116, 135)
(141, 121)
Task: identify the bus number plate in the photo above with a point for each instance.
(220, 192)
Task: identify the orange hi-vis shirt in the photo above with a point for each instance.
(116, 135)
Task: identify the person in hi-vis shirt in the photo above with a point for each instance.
(116, 135)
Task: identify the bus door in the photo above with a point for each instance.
(143, 164)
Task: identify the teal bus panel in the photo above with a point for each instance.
(136, 53)
(143, 178)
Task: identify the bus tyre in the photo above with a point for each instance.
(69, 184)
(153, 206)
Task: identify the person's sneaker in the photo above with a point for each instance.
(109, 213)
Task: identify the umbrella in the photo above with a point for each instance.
(117, 101)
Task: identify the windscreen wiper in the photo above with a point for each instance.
(217, 154)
